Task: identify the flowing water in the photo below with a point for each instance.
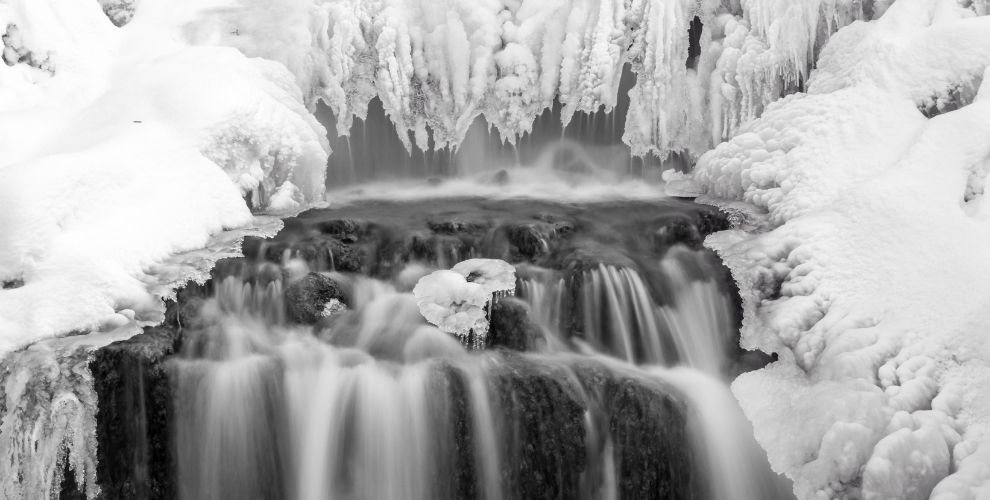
(616, 390)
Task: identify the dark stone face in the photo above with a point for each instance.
(135, 416)
(511, 326)
(305, 299)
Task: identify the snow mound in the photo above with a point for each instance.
(452, 303)
(868, 276)
(138, 145)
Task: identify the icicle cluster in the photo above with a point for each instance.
(436, 65)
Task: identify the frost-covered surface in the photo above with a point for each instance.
(452, 303)
(457, 301)
(870, 279)
(438, 64)
(129, 145)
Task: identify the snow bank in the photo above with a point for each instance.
(868, 276)
(130, 145)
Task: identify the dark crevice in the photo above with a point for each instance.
(694, 39)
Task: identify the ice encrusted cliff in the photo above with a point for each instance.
(437, 65)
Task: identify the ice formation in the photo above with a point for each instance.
(452, 303)
(867, 278)
(458, 301)
(437, 65)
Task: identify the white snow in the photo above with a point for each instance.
(868, 279)
(138, 145)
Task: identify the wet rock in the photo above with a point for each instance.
(328, 253)
(532, 240)
(546, 457)
(647, 426)
(512, 327)
(454, 226)
(135, 415)
(306, 299)
(347, 231)
(501, 177)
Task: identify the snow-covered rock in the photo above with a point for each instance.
(869, 282)
(137, 145)
(452, 303)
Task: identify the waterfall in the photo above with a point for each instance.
(287, 377)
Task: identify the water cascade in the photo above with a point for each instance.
(304, 370)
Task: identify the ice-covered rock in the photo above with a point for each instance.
(141, 144)
(866, 279)
(452, 303)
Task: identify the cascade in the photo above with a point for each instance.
(271, 394)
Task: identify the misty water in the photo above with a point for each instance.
(604, 377)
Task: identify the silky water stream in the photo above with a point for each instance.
(305, 370)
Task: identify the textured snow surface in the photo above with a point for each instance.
(866, 261)
(452, 303)
(130, 145)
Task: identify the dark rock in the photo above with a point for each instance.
(305, 299)
(501, 177)
(532, 240)
(14, 283)
(134, 416)
(347, 231)
(454, 226)
(512, 327)
(183, 312)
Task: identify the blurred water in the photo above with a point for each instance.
(373, 403)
